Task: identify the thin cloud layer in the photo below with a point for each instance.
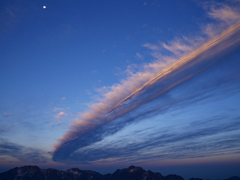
(167, 144)
(23, 154)
(224, 16)
(225, 13)
(136, 99)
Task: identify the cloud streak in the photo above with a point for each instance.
(133, 99)
(23, 154)
(224, 13)
(168, 144)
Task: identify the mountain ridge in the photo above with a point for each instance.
(130, 173)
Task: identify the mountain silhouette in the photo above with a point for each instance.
(131, 173)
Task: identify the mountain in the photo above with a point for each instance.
(131, 173)
(35, 173)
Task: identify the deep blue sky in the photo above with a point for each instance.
(103, 85)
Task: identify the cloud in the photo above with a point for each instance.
(57, 109)
(152, 46)
(146, 94)
(24, 154)
(62, 99)
(182, 46)
(167, 143)
(5, 114)
(59, 115)
(60, 109)
(94, 71)
(224, 13)
(12, 14)
(139, 56)
(88, 92)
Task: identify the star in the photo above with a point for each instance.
(44, 7)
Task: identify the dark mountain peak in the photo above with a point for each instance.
(135, 168)
(84, 174)
(25, 172)
(134, 172)
(173, 177)
(28, 170)
(74, 170)
(131, 169)
(195, 178)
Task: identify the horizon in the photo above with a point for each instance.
(188, 176)
(105, 85)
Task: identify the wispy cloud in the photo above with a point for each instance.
(224, 13)
(152, 46)
(56, 109)
(23, 154)
(59, 115)
(63, 98)
(129, 101)
(166, 143)
(11, 16)
(182, 46)
(5, 114)
(139, 56)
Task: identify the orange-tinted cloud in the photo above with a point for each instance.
(138, 90)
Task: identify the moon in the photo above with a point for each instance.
(44, 7)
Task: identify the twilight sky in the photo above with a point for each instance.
(103, 85)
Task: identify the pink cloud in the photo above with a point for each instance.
(120, 99)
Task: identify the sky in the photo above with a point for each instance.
(103, 85)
